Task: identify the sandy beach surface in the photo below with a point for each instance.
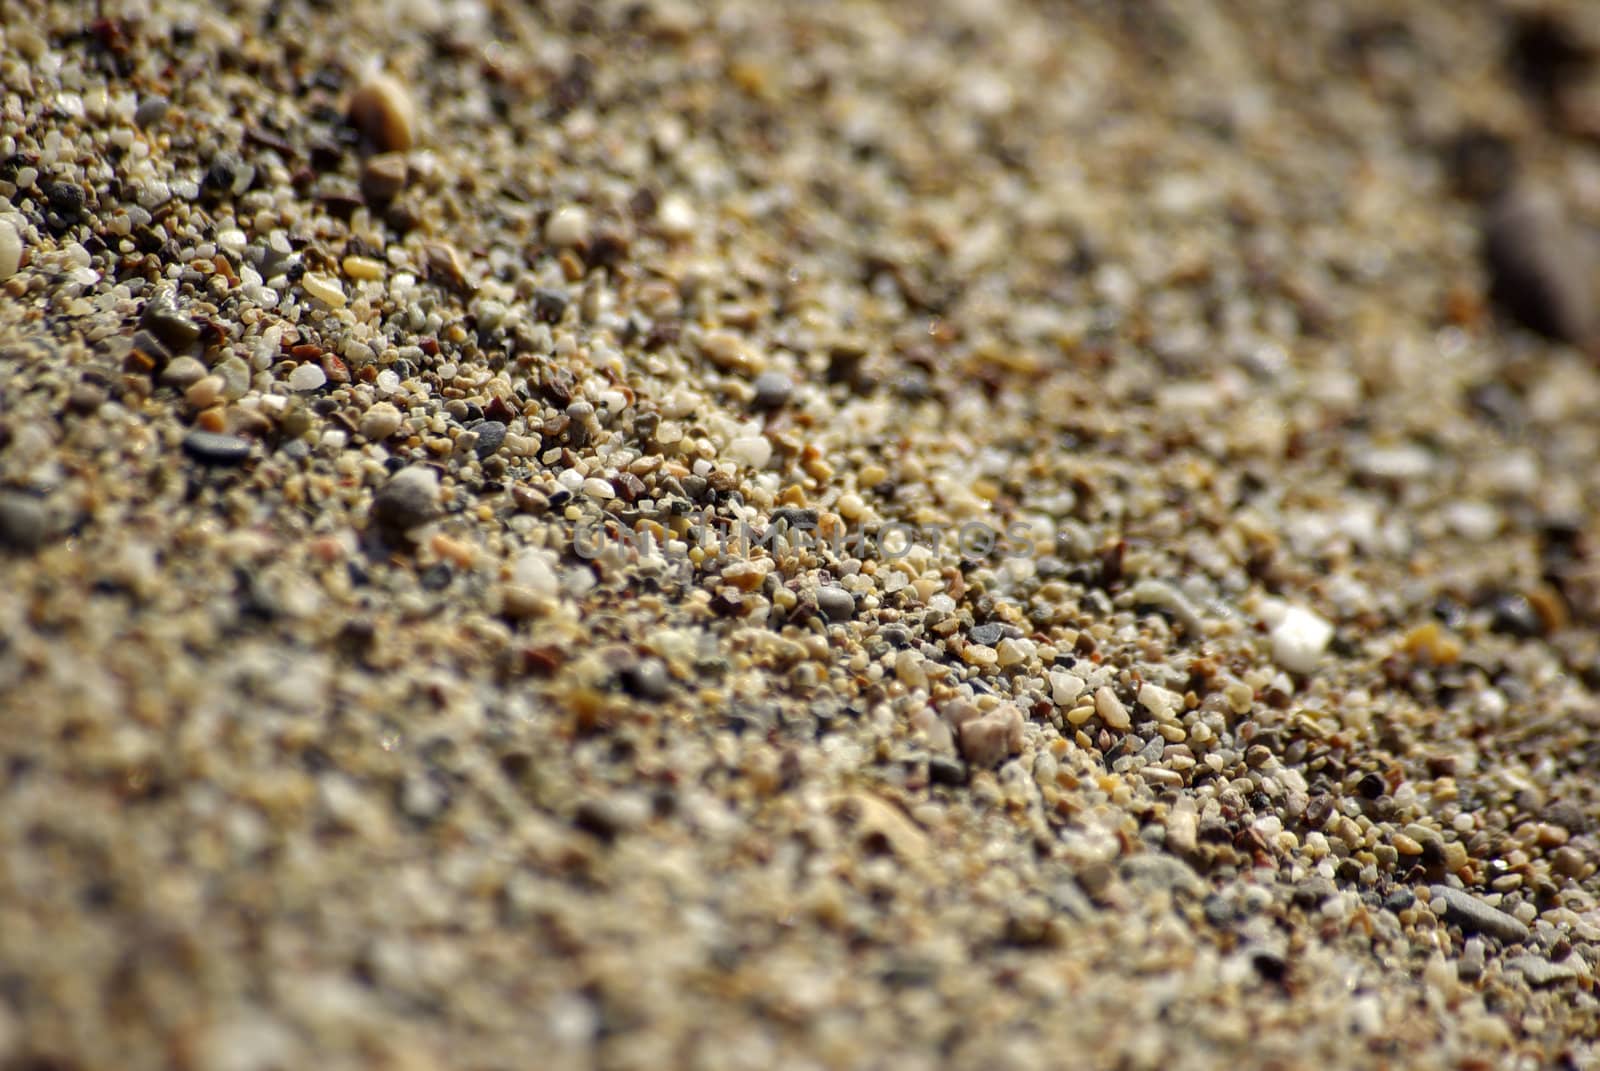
(844, 535)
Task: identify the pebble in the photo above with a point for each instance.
(1299, 639)
(176, 331)
(749, 451)
(380, 421)
(491, 435)
(24, 522)
(10, 249)
(836, 603)
(1475, 916)
(183, 372)
(325, 288)
(215, 448)
(1539, 971)
(567, 226)
(151, 110)
(408, 500)
(1470, 967)
(1539, 269)
(384, 176)
(307, 377)
(1111, 710)
(382, 111)
(990, 739)
(1065, 688)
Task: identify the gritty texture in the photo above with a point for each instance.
(375, 376)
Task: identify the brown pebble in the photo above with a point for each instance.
(383, 112)
(383, 177)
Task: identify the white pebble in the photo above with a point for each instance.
(751, 451)
(569, 226)
(535, 571)
(1065, 687)
(1298, 640)
(10, 249)
(676, 216)
(595, 487)
(306, 377)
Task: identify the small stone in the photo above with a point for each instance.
(214, 448)
(1298, 640)
(1539, 971)
(65, 197)
(176, 331)
(1475, 916)
(944, 770)
(836, 603)
(749, 451)
(647, 679)
(1470, 967)
(1539, 271)
(772, 390)
(1111, 710)
(988, 635)
(10, 249)
(595, 487)
(1065, 687)
(183, 372)
(491, 434)
(729, 352)
(1568, 862)
(325, 288)
(567, 226)
(1162, 872)
(151, 110)
(307, 377)
(363, 269)
(24, 522)
(675, 216)
(992, 738)
(384, 176)
(384, 114)
(1011, 652)
(409, 500)
(381, 421)
(205, 392)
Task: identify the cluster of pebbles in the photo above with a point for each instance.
(380, 385)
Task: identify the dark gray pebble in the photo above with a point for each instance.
(151, 110)
(992, 633)
(24, 522)
(410, 499)
(212, 448)
(491, 433)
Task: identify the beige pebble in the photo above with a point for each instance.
(325, 288)
(1405, 845)
(364, 269)
(380, 422)
(205, 392)
(997, 735)
(1111, 710)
